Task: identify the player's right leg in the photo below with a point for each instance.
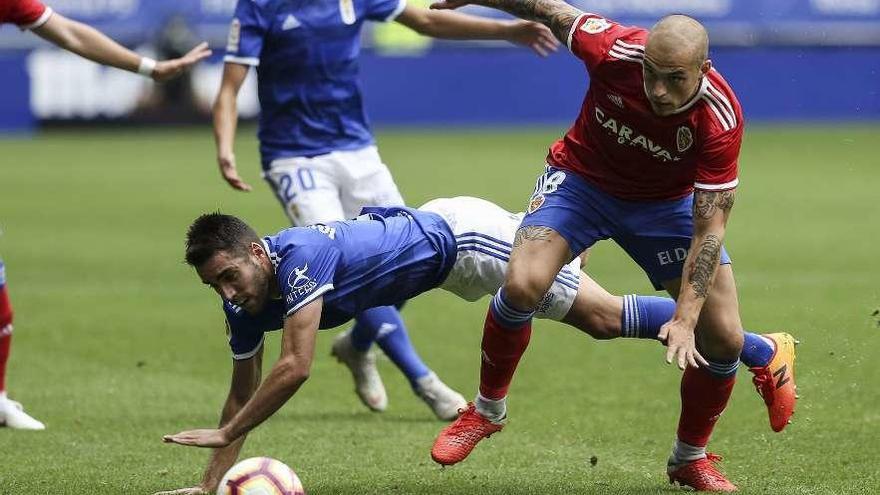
(12, 414)
(537, 256)
(554, 227)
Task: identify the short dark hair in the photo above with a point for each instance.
(215, 232)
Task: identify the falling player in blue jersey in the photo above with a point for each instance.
(303, 279)
(318, 153)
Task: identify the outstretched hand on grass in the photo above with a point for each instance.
(451, 4)
(195, 490)
(199, 438)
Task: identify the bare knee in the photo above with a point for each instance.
(720, 328)
(720, 338)
(537, 256)
(525, 292)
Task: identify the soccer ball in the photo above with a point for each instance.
(260, 476)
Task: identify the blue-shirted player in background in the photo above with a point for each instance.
(318, 153)
(303, 279)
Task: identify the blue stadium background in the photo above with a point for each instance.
(789, 60)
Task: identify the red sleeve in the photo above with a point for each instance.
(593, 39)
(717, 168)
(28, 14)
(723, 126)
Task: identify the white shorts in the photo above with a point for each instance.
(484, 232)
(332, 187)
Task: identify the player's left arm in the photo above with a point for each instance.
(286, 377)
(94, 45)
(454, 25)
(555, 14)
(710, 212)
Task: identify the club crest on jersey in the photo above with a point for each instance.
(616, 99)
(346, 8)
(684, 138)
(536, 202)
(234, 35)
(595, 25)
(626, 135)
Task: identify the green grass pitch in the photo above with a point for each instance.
(117, 342)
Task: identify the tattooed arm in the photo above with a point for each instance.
(711, 211)
(555, 14)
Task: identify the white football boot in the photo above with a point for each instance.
(12, 415)
(367, 382)
(443, 401)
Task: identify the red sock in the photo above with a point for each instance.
(5, 341)
(703, 398)
(5, 308)
(5, 334)
(502, 348)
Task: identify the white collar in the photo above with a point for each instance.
(704, 85)
(272, 256)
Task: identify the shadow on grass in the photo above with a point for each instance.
(357, 417)
(501, 486)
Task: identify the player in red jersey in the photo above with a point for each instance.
(93, 45)
(90, 43)
(651, 162)
(12, 414)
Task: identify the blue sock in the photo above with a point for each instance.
(384, 326)
(505, 314)
(364, 332)
(643, 316)
(756, 352)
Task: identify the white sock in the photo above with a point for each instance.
(684, 452)
(493, 410)
(424, 381)
(2, 395)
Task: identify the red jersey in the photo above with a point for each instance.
(617, 142)
(27, 14)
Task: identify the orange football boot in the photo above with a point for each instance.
(775, 382)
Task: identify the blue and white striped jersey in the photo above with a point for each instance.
(384, 257)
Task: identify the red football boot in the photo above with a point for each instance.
(457, 440)
(701, 475)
